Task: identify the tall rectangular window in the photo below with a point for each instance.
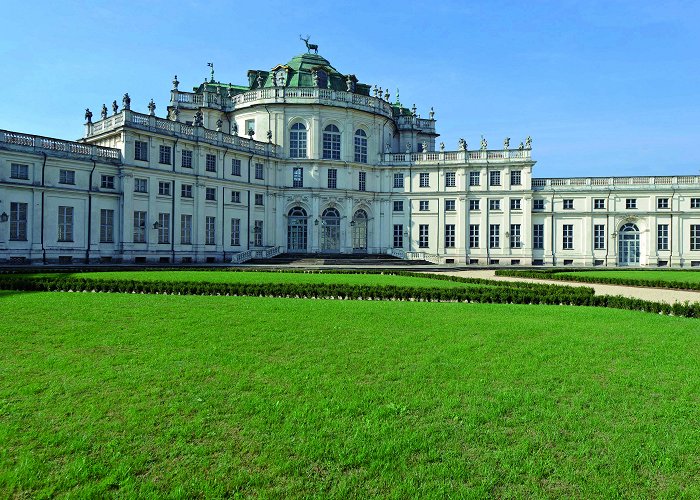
(236, 167)
(662, 237)
(515, 241)
(398, 235)
(19, 171)
(18, 221)
(140, 185)
(423, 234)
(599, 236)
(474, 178)
(259, 171)
(398, 180)
(297, 177)
(538, 236)
(163, 228)
(141, 150)
(66, 176)
(65, 223)
(360, 146)
(185, 229)
(139, 227)
(424, 180)
(515, 178)
(210, 163)
(494, 178)
(258, 233)
(473, 235)
(210, 230)
(331, 143)
(362, 181)
(449, 235)
(695, 236)
(332, 178)
(567, 234)
(450, 179)
(164, 155)
(106, 226)
(164, 188)
(236, 232)
(186, 158)
(494, 236)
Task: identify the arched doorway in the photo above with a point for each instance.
(297, 230)
(330, 230)
(359, 231)
(628, 245)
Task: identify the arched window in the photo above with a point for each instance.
(330, 230)
(331, 143)
(628, 245)
(296, 230)
(360, 146)
(359, 231)
(297, 141)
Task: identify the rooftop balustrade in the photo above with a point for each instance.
(65, 148)
(151, 123)
(457, 157)
(584, 183)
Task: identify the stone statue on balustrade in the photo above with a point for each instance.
(219, 124)
(431, 115)
(115, 107)
(442, 147)
(269, 136)
(261, 80)
(387, 148)
(506, 143)
(484, 144)
(528, 142)
(175, 115)
(425, 146)
(235, 128)
(462, 145)
(126, 101)
(103, 114)
(175, 83)
(349, 84)
(521, 146)
(198, 119)
(152, 108)
(386, 96)
(88, 115)
(408, 147)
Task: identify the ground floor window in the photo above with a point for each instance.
(106, 226)
(65, 223)
(449, 235)
(163, 228)
(538, 236)
(139, 227)
(662, 237)
(258, 232)
(235, 232)
(515, 241)
(18, 221)
(599, 236)
(210, 230)
(185, 229)
(695, 236)
(494, 236)
(398, 235)
(473, 235)
(296, 230)
(567, 235)
(423, 231)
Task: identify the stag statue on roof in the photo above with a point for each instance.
(309, 46)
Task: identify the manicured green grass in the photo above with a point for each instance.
(189, 396)
(264, 277)
(650, 275)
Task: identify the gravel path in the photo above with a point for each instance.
(653, 294)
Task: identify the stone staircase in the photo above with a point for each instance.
(337, 259)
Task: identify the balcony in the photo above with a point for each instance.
(458, 157)
(57, 147)
(592, 183)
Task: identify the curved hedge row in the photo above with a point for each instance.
(550, 274)
(540, 294)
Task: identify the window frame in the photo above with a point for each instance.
(19, 171)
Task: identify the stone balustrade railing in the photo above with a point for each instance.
(457, 156)
(429, 257)
(132, 119)
(300, 95)
(584, 182)
(39, 143)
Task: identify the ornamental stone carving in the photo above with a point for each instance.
(126, 101)
(462, 145)
(528, 142)
(115, 107)
(152, 108)
(88, 115)
(484, 144)
(103, 113)
(506, 143)
(175, 83)
(198, 119)
(219, 124)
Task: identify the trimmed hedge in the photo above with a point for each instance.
(554, 274)
(537, 294)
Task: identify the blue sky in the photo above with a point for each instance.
(603, 87)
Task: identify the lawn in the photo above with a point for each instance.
(264, 277)
(190, 396)
(647, 274)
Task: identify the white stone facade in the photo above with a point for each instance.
(332, 166)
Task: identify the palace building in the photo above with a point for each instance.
(304, 159)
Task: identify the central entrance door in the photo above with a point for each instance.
(359, 231)
(628, 245)
(296, 230)
(330, 230)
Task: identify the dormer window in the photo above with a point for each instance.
(320, 78)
